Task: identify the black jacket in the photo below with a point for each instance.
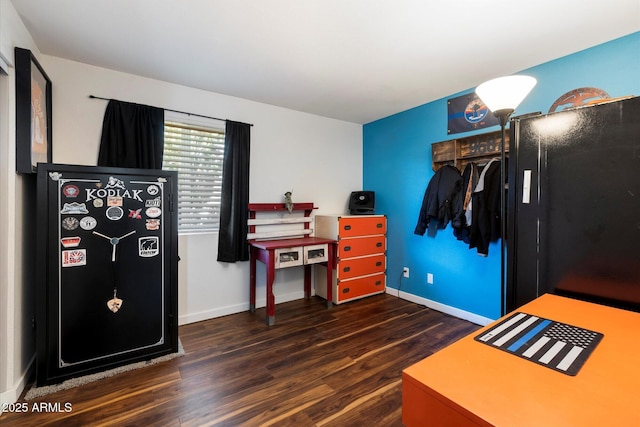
(442, 201)
(470, 177)
(486, 223)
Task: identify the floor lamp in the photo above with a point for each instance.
(502, 96)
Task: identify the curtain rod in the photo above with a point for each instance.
(174, 111)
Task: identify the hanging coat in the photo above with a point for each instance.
(442, 201)
(462, 225)
(485, 224)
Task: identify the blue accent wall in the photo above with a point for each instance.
(397, 166)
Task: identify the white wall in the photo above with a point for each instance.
(320, 159)
(17, 337)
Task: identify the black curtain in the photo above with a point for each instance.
(132, 136)
(234, 214)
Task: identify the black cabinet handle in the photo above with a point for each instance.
(379, 245)
(379, 225)
(378, 264)
(347, 227)
(347, 248)
(378, 282)
(345, 290)
(346, 269)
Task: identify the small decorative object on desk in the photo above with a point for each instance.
(288, 202)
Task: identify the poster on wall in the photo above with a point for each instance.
(466, 113)
(33, 113)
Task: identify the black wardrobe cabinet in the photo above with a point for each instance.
(107, 276)
(574, 205)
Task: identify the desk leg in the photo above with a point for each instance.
(271, 301)
(330, 263)
(307, 281)
(252, 280)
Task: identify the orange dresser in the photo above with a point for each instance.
(361, 260)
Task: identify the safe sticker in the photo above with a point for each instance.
(114, 213)
(71, 190)
(88, 223)
(153, 212)
(135, 213)
(74, 258)
(70, 223)
(148, 246)
(70, 242)
(152, 224)
(74, 208)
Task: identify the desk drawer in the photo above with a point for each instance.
(314, 254)
(288, 257)
(354, 267)
(360, 287)
(361, 226)
(349, 248)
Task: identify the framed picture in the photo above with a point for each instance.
(33, 113)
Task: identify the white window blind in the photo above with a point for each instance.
(196, 153)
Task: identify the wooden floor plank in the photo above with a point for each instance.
(315, 367)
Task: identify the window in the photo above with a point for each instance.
(195, 150)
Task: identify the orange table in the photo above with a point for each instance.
(472, 384)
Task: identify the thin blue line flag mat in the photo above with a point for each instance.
(555, 345)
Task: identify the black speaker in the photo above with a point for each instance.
(362, 202)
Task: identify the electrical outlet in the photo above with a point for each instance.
(429, 278)
(405, 272)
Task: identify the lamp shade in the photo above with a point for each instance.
(505, 93)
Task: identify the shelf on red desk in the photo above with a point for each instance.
(290, 243)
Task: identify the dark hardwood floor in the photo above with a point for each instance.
(315, 367)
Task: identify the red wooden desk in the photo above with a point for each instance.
(265, 250)
(471, 384)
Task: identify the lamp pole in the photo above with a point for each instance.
(503, 116)
(502, 96)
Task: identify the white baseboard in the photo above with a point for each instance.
(233, 309)
(12, 395)
(239, 308)
(453, 311)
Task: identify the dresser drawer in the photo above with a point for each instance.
(360, 287)
(354, 267)
(359, 246)
(361, 226)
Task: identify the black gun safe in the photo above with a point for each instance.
(107, 253)
(574, 205)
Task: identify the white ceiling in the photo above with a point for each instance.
(354, 60)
